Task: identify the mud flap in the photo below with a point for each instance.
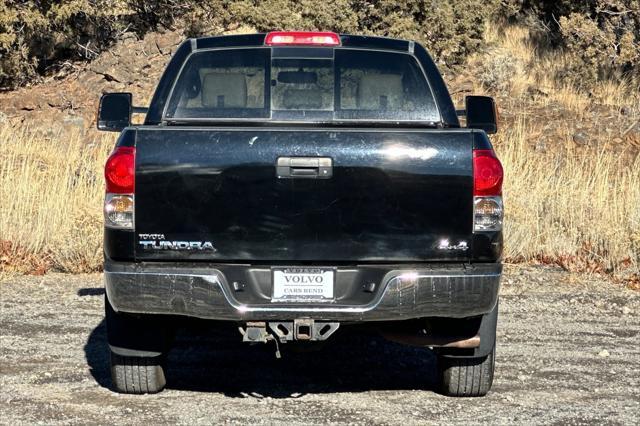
(137, 335)
(487, 333)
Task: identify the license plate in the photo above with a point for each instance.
(291, 284)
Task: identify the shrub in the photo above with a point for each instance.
(497, 71)
(37, 35)
(601, 37)
(214, 16)
(598, 50)
(450, 29)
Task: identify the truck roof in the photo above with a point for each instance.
(347, 40)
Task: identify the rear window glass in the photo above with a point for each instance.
(222, 84)
(350, 84)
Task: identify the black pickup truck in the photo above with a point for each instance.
(296, 183)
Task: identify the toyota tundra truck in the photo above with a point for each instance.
(295, 184)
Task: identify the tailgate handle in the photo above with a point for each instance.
(304, 167)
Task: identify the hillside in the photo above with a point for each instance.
(70, 97)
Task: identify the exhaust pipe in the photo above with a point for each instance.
(421, 339)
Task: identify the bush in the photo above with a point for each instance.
(450, 29)
(215, 16)
(38, 35)
(497, 71)
(599, 50)
(601, 37)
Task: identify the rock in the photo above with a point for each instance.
(167, 41)
(626, 310)
(603, 353)
(26, 102)
(118, 69)
(111, 72)
(59, 100)
(580, 138)
(150, 45)
(129, 40)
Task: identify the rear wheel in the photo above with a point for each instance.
(137, 374)
(466, 376)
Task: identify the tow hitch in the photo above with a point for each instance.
(303, 329)
(285, 331)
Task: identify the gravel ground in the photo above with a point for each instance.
(568, 353)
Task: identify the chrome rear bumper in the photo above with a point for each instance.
(206, 291)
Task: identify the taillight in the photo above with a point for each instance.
(302, 38)
(487, 190)
(487, 173)
(119, 171)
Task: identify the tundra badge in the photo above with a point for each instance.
(158, 242)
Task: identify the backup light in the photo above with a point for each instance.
(302, 38)
(118, 211)
(487, 213)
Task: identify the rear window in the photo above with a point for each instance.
(311, 84)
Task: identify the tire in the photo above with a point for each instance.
(466, 376)
(138, 345)
(137, 375)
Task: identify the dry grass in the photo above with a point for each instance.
(575, 206)
(579, 210)
(51, 192)
(531, 70)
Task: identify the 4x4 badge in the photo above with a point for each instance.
(445, 245)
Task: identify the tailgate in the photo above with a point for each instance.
(390, 196)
